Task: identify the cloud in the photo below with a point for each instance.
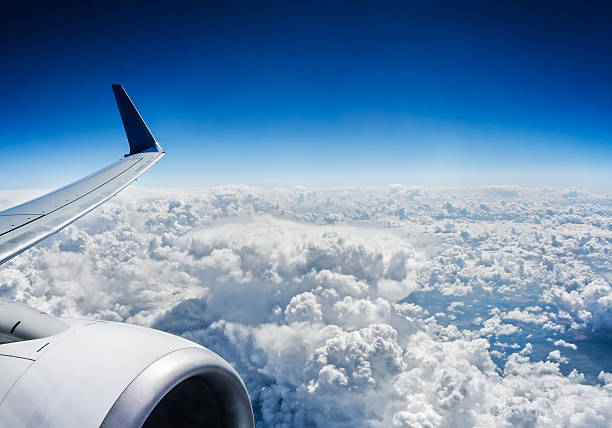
(351, 307)
(562, 342)
(556, 356)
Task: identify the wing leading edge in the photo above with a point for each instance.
(24, 225)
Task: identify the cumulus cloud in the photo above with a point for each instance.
(562, 342)
(556, 356)
(347, 307)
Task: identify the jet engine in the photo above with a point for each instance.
(75, 373)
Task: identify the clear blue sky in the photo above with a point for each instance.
(322, 93)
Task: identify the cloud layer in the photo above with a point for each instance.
(359, 307)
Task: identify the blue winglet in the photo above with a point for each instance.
(138, 134)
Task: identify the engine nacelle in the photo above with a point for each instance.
(72, 373)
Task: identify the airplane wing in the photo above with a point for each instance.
(24, 225)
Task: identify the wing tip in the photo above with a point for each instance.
(140, 138)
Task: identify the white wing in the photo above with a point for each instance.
(26, 224)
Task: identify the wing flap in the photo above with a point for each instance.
(9, 222)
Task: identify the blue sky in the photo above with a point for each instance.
(355, 93)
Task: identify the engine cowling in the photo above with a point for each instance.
(73, 373)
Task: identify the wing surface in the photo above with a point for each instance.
(24, 225)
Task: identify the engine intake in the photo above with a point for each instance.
(191, 387)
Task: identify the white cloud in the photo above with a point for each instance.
(304, 307)
(556, 356)
(562, 342)
(605, 378)
(298, 289)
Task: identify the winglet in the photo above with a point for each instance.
(138, 134)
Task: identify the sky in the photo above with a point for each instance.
(312, 93)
